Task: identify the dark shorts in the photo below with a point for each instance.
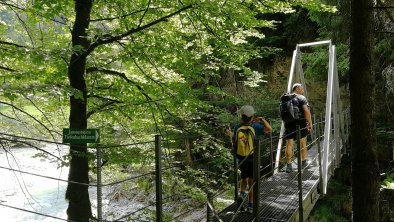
(246, 166)
(290, 129)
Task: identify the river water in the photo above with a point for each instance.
(46, 196)
(28, 192)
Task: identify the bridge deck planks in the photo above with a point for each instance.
(279, 195)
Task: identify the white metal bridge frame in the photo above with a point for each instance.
(334, 120)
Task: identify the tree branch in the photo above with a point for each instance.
(209, 29)
(104, 98)
(42, 112)
(385, 11)
(123, 16)
(109, 71)
(383, 7)
(26, 28)
(140, 68)
(118, 17)
(98, 109)
(35, 147)
(121, 75)
(11, 5)
(384, 32)
(111, 39)
(23, 9)
(267, 6)
(26, 113)
(11, 43)
(143, 15)
(9, 117)
(7, 69)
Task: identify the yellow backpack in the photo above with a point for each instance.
(244, 139)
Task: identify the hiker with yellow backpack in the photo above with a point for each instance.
(243, 137)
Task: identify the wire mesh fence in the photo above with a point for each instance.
(187, 170)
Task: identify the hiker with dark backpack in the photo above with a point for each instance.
(243, 138)
(294, 110)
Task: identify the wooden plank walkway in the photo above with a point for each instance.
(279, 195)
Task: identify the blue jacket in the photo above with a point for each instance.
(258, 129)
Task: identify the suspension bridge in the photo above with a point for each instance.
(279, 196)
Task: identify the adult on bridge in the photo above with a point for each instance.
(304, 121)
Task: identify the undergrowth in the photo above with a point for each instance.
(335, 206)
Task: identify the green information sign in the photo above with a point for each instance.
(79, 136)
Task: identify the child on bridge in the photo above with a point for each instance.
(243, 136)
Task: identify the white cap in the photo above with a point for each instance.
(246, 110)
(295, 85)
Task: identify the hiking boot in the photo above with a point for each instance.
(304, 164)
(289, 168)
(250, 206)
(243, 195)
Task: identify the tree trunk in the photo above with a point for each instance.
(365, 167)
(79, 208)
(188, 148)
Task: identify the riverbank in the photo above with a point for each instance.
(45, 196)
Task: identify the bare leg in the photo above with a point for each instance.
(250, 182)
(303, 149)
(244, 183)
(289, 150)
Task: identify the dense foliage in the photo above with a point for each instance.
(157, 67)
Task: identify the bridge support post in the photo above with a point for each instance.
(236, 181)
(99, 184)
(319, 156)
(159, 189)
(257, 182)
(272, 153)
(209, 209)
(313, 132)
(346, 131)
(300, 200)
